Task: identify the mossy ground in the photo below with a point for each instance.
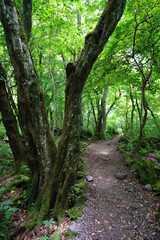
(145, 170)
(70, 234)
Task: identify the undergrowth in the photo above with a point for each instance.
(6, 211)
(145, 167)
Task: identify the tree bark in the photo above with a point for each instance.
(100, 130)
(31, 100)
(104, 117)
(27, 17)
(143, 117)
(64, 171)
(10, 122)
(132, 112)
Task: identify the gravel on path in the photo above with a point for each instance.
(115, 209)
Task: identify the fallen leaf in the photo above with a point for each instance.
(97, 222)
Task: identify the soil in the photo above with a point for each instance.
(115, 209)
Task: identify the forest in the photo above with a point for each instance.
(76, 77)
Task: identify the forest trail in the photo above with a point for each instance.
(115, 209)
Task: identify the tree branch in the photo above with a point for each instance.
(27, 17)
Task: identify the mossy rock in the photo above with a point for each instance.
(75, 212)
(69, 234)
(146, 171)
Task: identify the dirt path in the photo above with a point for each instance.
(115, 209)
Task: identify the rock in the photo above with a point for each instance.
(121, 176)
(148, 187)
(89, 178)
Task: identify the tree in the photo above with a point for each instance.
(52, 172)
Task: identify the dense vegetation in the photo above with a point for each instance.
(48, 49)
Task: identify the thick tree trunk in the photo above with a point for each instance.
(31, 101)
(10, 122)
(64, 171)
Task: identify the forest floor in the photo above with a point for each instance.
(115, 209)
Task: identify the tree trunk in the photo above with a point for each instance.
(64, 171)
(112, 105)
(27, 17)
(104, 117)
(31, 100)
(32, 111)
(132, 112)
(100, 131)
(143, 118)
(10, 122)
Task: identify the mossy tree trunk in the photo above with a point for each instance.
(52, 189)
(31, 101)
(10, 122)
(64, 171)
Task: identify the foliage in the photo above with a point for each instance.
(77, 194)
(75, 212)
(6, 211)
(70, 234)
(49, 223)
(7, 163)
(58, 34)
(111, 132)
(145, 169)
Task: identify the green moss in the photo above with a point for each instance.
(129, 162)
(56, 235)
(80, 174)
(146, 171)
(156, 187)
(24, 170)
(77, 194)
(82, 166)
(70, 234)
(75, 212)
